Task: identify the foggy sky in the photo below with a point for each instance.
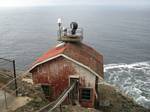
(8, 3)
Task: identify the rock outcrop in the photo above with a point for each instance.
(112, 100)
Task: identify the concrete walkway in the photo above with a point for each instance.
(12, 102)
(9, 100)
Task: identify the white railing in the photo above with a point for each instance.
(5, 95)
(68, 32)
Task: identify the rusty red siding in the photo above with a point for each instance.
(55, 73)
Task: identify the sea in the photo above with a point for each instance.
(120, 33)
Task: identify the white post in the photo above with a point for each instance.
(5, 96)
(59, 24)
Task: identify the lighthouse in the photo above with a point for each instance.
(69, 62)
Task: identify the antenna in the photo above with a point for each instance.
(59, 22)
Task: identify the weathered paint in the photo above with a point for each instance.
(56, 72)
(87, 79)
(79, 52)
(86, 55)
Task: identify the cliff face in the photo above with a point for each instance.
(112, 100)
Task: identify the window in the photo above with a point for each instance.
(47, 90)
(86, 93)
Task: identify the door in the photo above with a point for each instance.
(75, 92)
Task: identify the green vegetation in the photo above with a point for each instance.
(32, 106)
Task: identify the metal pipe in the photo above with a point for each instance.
(59, 32)
(14, 68)
(5, 96)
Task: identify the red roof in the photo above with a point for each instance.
(77, 51)
(51, 53)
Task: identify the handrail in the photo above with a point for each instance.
(4, 88)
(68, 32)
(20, 76)
(42, 109)
(9, 60)
(6, 74)
(59, 100)
(63, 98)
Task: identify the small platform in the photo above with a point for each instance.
(70, 38)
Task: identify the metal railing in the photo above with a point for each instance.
(10, 88)
(68, 32)
(7, 93)
(12, 70)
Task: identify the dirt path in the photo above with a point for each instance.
(12, 102)
(18, 102)
(1, 84)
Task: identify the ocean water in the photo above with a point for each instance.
(132, 79)
(121, 34)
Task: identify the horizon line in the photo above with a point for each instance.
(13, 6)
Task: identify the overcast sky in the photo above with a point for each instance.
(7, 3)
